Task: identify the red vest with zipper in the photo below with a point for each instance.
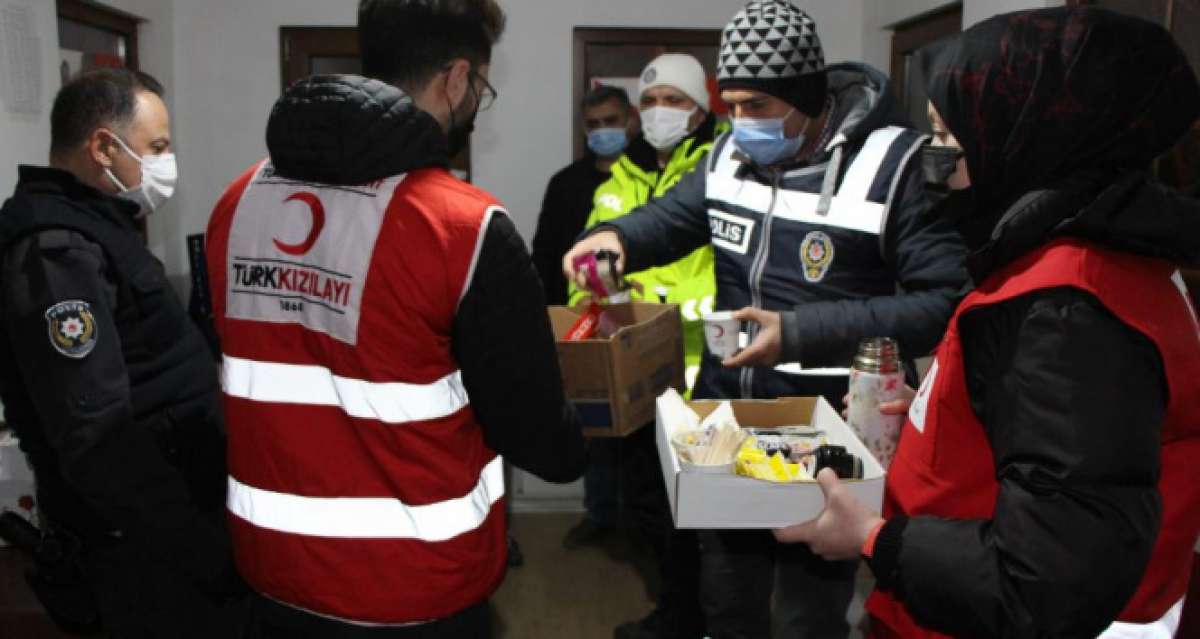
(946, 467)
(360, 485)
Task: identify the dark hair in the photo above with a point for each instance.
(407, 42)
(603, 94)
(96, 99)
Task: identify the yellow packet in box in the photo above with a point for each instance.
(754, 462)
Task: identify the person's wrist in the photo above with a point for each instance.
(884, 560)
(869, 535)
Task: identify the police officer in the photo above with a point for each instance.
(107, 383)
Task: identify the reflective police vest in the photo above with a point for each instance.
(360, 485)
(804, 237)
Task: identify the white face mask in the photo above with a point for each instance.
(159, 175)
(664, 127)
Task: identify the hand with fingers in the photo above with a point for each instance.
(767, 344)
(842, 528)
(897, 406)
(598, 241)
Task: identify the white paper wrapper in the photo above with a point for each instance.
(677, 415)
(723, 416)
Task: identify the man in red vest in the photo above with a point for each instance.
(1046, 481)
(384, 341)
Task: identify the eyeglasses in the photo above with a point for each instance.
(488, 96)
(485, 98)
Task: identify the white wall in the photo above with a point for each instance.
(25, 138)
(227, 76)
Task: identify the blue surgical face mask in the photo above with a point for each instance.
(607, 143)
(764, 141)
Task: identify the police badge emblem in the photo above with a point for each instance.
(72, 328)
(816, 251)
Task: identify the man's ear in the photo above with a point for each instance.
(101, 147)
(458, 81)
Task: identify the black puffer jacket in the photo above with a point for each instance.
(347, 130)
(1054, 122)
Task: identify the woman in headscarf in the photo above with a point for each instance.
(1047, 480)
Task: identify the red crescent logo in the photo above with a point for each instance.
(720, 332)
(318, 224)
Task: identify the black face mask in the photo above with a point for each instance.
(958, 206)
(938, 163)
(460, 132)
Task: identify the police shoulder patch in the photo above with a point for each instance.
(72, 328)
(816, 252)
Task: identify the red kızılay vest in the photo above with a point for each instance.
(360, 485)
(1146, 294)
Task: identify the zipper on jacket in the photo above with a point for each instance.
(757, 268)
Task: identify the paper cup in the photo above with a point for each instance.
(722, 333)
(692, 445)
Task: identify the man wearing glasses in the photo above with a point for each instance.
(378, 317)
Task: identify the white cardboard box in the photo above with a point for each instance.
(700, 500)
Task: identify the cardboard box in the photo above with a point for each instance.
(700, 500)
(614, 382)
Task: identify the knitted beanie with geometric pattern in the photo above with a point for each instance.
(772, 46)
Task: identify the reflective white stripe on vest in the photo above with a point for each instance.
(392, 403)
(857, 215)
(856, 184)
(695, 309)
(369, 517)
(1164, 628)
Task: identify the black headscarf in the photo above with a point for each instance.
(1038, 97)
